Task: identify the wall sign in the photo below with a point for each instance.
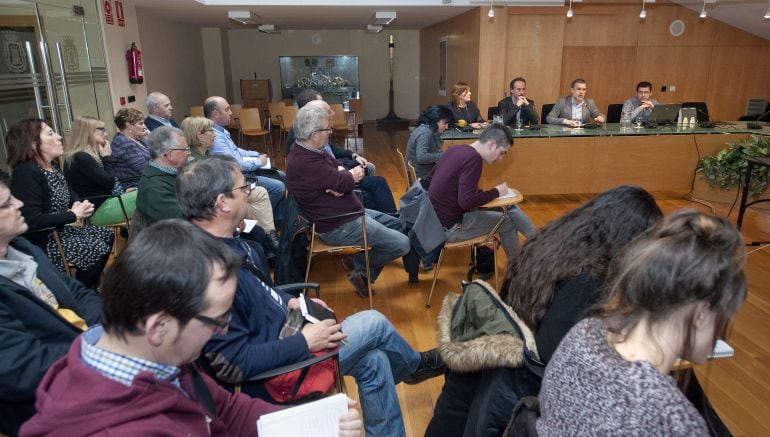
(119, 13)
(108, 12)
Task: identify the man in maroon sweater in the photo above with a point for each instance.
(455, 194)
(324, 189)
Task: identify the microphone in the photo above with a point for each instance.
(755, 123)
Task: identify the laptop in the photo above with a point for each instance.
(664, 113)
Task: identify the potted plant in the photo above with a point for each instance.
(727, 168)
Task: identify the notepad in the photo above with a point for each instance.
(267, 166)
(509, 195)
(321, 416)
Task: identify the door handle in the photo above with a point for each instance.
(64, 86)
(33, 70)
(51, 87)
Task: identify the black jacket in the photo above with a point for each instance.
(509, 110)
(33, 335)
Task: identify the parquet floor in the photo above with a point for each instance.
(739, 387)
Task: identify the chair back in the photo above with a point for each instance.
(410, 171)
(250, 121)
(544, 113)
(196, 111)
(402, 165)
(491, 112)
(288, 114)
(756, 106)
(339, 115)
(614, 112)
(275, 109)
(357, 107)
(235, 119)
(700, 107)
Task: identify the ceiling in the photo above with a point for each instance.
(412, 14)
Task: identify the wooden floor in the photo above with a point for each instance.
(739, 387)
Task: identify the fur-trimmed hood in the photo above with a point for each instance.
(481, 307)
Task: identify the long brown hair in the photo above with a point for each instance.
(458, 90)
(23, 142)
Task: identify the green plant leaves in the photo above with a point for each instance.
(727, 168)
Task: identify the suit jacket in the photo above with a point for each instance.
(509, 111)
(562, 110)
(152, 123)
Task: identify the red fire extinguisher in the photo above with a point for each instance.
(134, 58)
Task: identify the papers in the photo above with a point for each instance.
(320, 418)
(509, 195)
(722, 350)
(257, 158)
(249, 225)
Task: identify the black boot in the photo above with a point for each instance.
(431, 365)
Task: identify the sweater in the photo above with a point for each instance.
(102, 406)
(88, 178)
(470, 113)
(588, 389)
(157, 195)
(309, 174)
(424, 149)
(128, 159)
(454, 186)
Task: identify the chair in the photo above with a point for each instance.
(614, 112)
(491, 112)
(544, 113)
(756, 107)
(703, 110)
(471, 243)
(235, 117)
(196, 111)
(763, 115)
(69, 268)
(251, 126)
(116, 212)
(403, 166)
(275, 109)
(138, 222)
(343, 123)
(288, 114)
(316, 246)
(355, 106)
(410, 171)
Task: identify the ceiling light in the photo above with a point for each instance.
(244, 18)
(767, 13)
(491, 13)
(373, 28)
(643, 13)
(268, 28)
(703, 11)
(384, 18)
(569, 11)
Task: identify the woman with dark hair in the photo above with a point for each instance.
(672, 295)
(33, 153)
(130, 152)
(424, 146)
(465, 112)
(550, 283)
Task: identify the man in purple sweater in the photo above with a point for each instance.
(455, 194)
(324, 189)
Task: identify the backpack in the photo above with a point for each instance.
(483, 262)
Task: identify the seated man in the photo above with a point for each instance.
(375, 191)
(323, 190)
(164, 297)
(455, 194)
(218, 110)
(41, 313)
(576, 108)
(212, 193)
(159, 109)
(517, 106)
(169, 151)
(640, 107)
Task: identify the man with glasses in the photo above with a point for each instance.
(164, 297)
(640, 107)
(169, 151)
(211, 194)
(41, 313)
(324, 190)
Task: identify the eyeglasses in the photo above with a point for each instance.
(248, 188)
(323, 130)
(186, 149)
(221, 323)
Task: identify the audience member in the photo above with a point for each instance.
(424, 146)
(640, 107)
(672, 295)
(130, 153)
(576, 109)
(465, 112)
(455, 194)
(156, 199)
(41, 313)
(33, 154)
(517, 106)
(373, 352)
(323, 190)
(164, 297)
(159, 111)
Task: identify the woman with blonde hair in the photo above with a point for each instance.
(130, 152)
(87, 163)
(466, 113)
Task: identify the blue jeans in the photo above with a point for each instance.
(378, 358)
(383, 233)
(479, 222)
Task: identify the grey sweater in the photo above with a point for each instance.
(589, 389)
(423, 149)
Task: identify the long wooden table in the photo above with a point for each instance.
(560, 160)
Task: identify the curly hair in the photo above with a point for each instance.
(587, 238)
(432, 114)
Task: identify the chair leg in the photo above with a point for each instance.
(435, 276)
(366, 260)
(309, 255)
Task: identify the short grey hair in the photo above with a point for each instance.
(310, 119)
(162, 139)
(153, 100)
(200, 182)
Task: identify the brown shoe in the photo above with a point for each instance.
(359, 283)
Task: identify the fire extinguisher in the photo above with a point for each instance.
(134, 58)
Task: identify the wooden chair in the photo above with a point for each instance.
(356, 106)
(288, 114)
(196, 111)
(402, 165)
(316, 246)
(410, 171)
(275, 109)
(235, 118)
(116, 215)
(251, 126)
(70, 269)
(342, 122)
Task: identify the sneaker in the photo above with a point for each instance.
(431, 365)
(359, 283)
(347, 264)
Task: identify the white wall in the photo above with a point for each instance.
(254, 52)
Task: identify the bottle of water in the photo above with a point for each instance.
(625, 121)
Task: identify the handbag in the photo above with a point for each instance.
(110, 212)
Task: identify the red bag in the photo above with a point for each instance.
(290, 387)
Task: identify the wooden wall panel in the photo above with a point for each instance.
(735, 76)
(654, 30)
(491, 72)
(620, 29)
(685, 67)
(603, 68)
